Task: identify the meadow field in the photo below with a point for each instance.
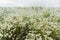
(29, 23)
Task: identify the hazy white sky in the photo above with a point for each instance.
(22, 3)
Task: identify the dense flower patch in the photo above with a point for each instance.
(33, 23)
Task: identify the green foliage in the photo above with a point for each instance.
(46, 14)
(58, 20)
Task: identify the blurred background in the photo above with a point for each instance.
(29, 3)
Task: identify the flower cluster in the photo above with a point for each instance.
(33, 23)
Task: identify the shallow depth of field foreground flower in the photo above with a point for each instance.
(31, 23)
